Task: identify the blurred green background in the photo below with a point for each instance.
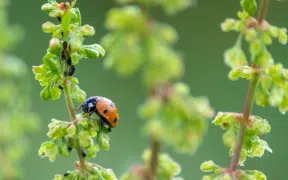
(202, 44)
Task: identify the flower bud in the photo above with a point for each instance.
(208, 166)
(49, 27)
(55, 46)
(87, 30)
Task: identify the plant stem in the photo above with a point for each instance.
(246, 114)
(70, 107)
(154, 158)
(263, 10)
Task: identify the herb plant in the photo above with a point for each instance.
(268, 87)
(139, 43)
(16, 118)
(83, 134)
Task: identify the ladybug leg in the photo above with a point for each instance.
(79, 107)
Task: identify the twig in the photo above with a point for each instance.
(246, 114)
(70, 107)
(154, 158)
(262, 11)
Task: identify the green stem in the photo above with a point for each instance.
(246, 114)
(262, 11)
(70, 107)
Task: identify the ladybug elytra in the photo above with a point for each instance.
(103, 107)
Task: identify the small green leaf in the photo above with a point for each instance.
(78, 94)
(71, 130)
(75, 58)
(47, 7)
(87, 30)
(51, 63)
(55, 93)
(46, 93)
(84, 139)
(49, 27)
(56, 13)
(208, 166)
(250, 6)
(48, 149)
(92, 51)
(83, 123)
(92, 151)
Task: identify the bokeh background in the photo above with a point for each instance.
(202, 44)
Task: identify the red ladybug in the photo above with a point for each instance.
(104, 108)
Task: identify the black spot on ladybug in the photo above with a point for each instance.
(115, 120)
(105, 111)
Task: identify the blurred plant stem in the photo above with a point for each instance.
(155, 146)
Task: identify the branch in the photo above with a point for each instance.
(154, 158)
(246, 113)
(70, 107)
(262, 11)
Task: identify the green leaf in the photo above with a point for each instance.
(55, 93)
(46, 93)
(84, 139)
(87, 30)
(250, 6)
(49, 27)
(83, 123)
(92, 51)
(92, 151)
(48, 149)
(78, 94)
(71, 131)
(208, 166)
(47, 7)
(51, 63)
(56, 13)
(51, 1)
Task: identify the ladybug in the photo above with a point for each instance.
(104, 108)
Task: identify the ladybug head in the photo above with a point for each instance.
(107, 110)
